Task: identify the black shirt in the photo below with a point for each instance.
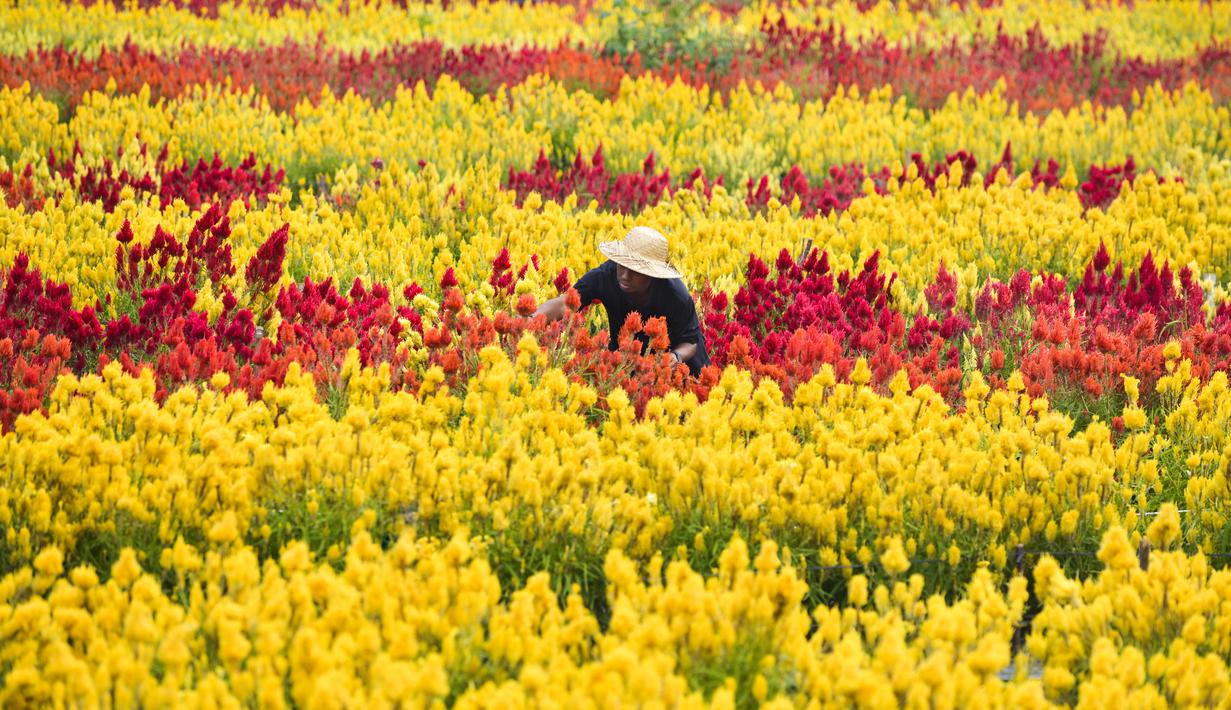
(669, 299)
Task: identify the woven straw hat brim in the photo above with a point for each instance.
(619, 253)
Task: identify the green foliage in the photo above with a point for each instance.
(324, 520)
(337, 399)
(666, 31)
(102, 549)
(742, 662)
(573, 559)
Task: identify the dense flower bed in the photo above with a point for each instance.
(814, 62)
(279, 426)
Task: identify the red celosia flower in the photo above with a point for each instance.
(453, 300)
(526, 305)
(656, 329)
(562, 281)
(265, 267)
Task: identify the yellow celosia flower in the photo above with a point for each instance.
(50, 562)
(226, 529)
(1166, 527)
(894, 559)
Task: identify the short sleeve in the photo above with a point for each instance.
(592, 285)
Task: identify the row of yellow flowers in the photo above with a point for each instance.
(841, 467)
(422, 624)
(211, 615)
(1151, 30)
(414, 224)
(753, 133)
(350, 26)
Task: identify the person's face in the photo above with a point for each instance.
(632, 282)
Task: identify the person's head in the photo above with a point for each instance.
(640, 258)
(632, 282)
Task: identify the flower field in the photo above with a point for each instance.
(279, 426)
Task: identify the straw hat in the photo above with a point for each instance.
(643, 250)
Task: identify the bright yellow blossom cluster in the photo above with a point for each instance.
(865, 479)
(1153, 637)
(422, 622)
(754, 132)
(415, 621)
(1151, 30)
(349, 26)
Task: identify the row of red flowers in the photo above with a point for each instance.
(785, 325)
(1069, 346)
(204, 182)
(1039, 74)
(819, 195)
(196, 183)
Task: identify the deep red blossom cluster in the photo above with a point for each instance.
(1118, 301)
(19, 189)
(633, 192)
(1104, 183)
(822, 196)
(30, 302)
(265, 267)
(789, 324)
(627, 193)
(502, 277)
(815, 62)
(1116, 323)
(157, 286)
(194, 183)
(1072, 347)
(1101, 187)
(39, 332)
(1039, 75)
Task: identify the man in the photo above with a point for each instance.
(638, 276)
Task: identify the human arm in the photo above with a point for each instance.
(552, 308)
(589, 287)
(683, 326)
(683, 352)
